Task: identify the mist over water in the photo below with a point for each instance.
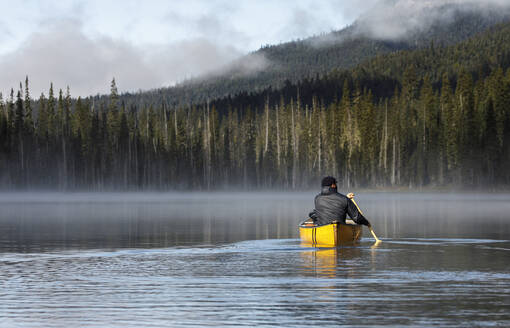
(230, 259)
(32, 222)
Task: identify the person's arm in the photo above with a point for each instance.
(355, 215)
(313, 215)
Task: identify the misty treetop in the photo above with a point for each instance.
(438, 116)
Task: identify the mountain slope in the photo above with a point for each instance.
(271, 66)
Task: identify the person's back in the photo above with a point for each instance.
(332, 206)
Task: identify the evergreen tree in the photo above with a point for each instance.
(29, 116)
(50, 108)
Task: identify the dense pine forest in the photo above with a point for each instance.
(438, 116)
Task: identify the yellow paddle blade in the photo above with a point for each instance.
(376, 244)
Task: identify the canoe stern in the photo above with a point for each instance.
(333, 234)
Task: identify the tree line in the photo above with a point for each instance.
(421, 136)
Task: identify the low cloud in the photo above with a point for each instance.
(245, 65)
(400, 19)
(61, 53)
(397, 19)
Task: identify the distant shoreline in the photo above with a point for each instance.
(444, 190)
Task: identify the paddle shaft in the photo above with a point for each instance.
(370, 228)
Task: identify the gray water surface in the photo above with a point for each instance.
(220, 259)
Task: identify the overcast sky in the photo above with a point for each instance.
(149, 44)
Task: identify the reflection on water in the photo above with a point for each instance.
(330, 262)
(321, 262)
(176, 260)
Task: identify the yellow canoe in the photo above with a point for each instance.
(329, 235)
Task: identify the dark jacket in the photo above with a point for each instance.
(333, 206)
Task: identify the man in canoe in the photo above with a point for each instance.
(331, 206)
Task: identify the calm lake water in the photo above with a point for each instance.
(220, 259)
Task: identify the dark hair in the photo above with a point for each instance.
(328, 181)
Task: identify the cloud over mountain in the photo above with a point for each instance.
(396, 19)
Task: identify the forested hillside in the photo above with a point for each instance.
(437, 116)
(274, 65)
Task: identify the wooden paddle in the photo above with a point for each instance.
(377, 240)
